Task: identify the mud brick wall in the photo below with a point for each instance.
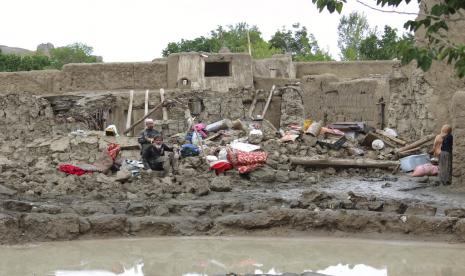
(326, 98)
(292, 108)
(458, 125)
(280, 66)
(345, 69)
(32, 82)
(108, 76)
(224, 107)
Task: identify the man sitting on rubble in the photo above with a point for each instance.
(146, 136)
(155, 157)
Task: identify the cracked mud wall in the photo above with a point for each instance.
(458, 125)
(87, 77)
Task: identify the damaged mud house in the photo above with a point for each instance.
(302, 182)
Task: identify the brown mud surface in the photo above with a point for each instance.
(39, 203)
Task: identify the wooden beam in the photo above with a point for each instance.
(394, 139)
(343, 163)
(407, 152)
(417, 143)
(143, 118)
(268, 101)
(164, 109)
(131, 99)
(146, 105)
(252, 106)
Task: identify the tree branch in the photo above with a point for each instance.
(418, 14)
(387, 11)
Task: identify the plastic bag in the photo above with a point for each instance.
(425, 170)
(196, 139)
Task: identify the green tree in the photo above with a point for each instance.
(352, 30)
(385, 46)
(235, 38)
(73, 53)
(298, 42)
(436, 43)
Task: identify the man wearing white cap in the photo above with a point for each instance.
(146, 136)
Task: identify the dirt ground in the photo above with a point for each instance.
(39, 203)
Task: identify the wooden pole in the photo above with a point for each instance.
(343, 163)
(143, 118)
(164, 109)
(252, 106)
(417, 143)
(146, 106)
(248, 41)
(407, 152)
(268, 102)
(131, 98)
(394, 139)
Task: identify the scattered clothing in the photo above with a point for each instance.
(220, 166)
(246, 162)
(189, 150)
(72, 169)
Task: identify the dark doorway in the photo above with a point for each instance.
(217, 69)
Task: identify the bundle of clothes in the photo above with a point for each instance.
(105, 162)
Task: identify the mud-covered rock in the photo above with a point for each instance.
(9, 229)
(455, 212)
(420, 209)
(136, 209)
(17, 205)
(41, 226)
(221, 184)
(92, 207)
(264, 174)
(7, 191)
(108, 224)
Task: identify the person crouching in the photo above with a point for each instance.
(160, 157)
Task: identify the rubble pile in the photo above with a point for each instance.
(271, 183)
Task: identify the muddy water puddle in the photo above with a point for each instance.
(209, 256)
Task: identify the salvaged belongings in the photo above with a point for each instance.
(246, 161)
(103, 164)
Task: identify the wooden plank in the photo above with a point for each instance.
(343, 163)
(268, 102)
(131, 99)
(143, 118)
(252, 106)
(164, 109)
(394, 139)
(418, 143)
(146, 103)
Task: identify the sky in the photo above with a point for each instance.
(138, 30)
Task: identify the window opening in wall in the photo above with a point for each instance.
(217, 69)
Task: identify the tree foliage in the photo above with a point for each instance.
(351, 31)
(384, 46)
(436, 43)
(299, 42)
(302, 45)
(12, 62)
(234, 37)
(73, 53)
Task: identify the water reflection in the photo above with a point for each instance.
(357, 270)
(337, 270)
(210, 256)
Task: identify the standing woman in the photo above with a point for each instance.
(443, 148)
